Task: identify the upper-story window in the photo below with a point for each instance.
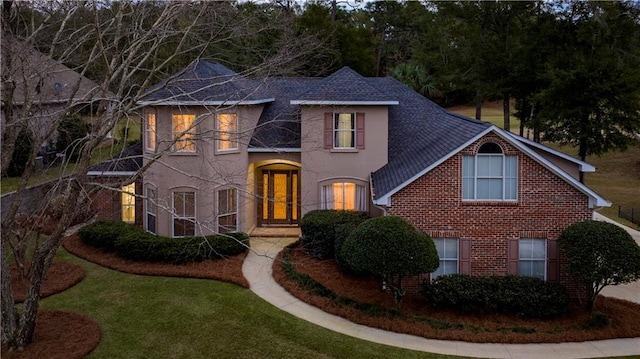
(150, 132)
(227, 127)
(344, 131)
(184, 132)
(490, 175)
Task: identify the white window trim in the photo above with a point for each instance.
(449, 259)
(544, 260)
(219, 215)
(233, 135)
(504, 177)
(175, 216)
(352, 131)
(146, 208)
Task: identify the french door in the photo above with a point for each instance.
(279, 202)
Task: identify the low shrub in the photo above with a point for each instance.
(103, 234)
(525, 296)
(322, 229)
(599, 320)
(136, 244)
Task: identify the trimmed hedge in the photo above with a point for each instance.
(103, 234)
(136, 244)
(525, 296)
(323, 229)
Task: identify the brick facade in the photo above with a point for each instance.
(546, 205)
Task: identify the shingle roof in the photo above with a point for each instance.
(344, 85)
(129, 160)
(420, 133)
(204, 82)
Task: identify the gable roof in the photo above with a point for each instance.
(344, 87)
(206, 83)
(42, 80)
(595, 200)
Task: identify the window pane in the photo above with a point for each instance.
(151, 131)
(524, 267)
(189, 204)
(451, 248)
(184, 141)
(524, 249)
(223, 202)
(538, 249)
(468, 177)
(344, 128)
(538, 269)
(129, 203)
(227, 131)
(489, 189)
(151, 223)
(338, 196)
(178, 203)
(349, 196)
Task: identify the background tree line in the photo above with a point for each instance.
(571, 68)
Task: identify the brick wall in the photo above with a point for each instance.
(546, 205)
(108, 203)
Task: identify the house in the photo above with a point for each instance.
(236, 154)
(38, 91)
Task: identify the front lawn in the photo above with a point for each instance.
(162, 317)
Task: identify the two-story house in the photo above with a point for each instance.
(235, 154)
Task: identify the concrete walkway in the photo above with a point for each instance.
(257, 270)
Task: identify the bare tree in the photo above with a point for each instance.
(124, 47)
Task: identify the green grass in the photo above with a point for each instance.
(491, 112)
(160, 317)
(9, 184)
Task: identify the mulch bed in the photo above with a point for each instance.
(227, 270)
(417, 318)
(66, 335)
(59, 335)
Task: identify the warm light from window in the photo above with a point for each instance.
(129, 203)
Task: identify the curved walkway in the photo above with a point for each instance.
(257, 269)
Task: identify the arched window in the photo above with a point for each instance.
(344, 195)
(490, 175)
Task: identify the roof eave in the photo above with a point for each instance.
(206, 103)
(584, 166)
(274, 150)
(344, 103)
(595, 200)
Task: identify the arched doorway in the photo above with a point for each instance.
(279, 195)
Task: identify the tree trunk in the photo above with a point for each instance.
(507, 112)
(478, 105)
(9, 311)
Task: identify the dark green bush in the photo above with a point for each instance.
(72, 132)
(390, 248)
(525, 296)
(134, 243)
(21, 152)
(103, 234)
(599, 320)
(322, 228)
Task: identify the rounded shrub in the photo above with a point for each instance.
(321, 229)
(390, 248)
(103, 234)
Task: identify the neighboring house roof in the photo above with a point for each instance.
(126, 163)
(206, 83)
(43, 80)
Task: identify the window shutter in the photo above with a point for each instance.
(465, 256)
(360, 130)
(552, 260)
(328, 130)
(513, 255)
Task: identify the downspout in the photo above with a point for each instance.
(384, 210)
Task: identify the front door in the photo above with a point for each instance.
(279, 204)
